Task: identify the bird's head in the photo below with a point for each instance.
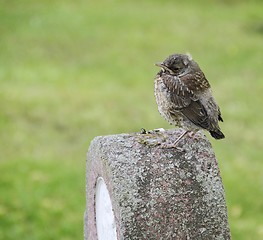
(175, 64)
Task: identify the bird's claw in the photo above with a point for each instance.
(170, 146)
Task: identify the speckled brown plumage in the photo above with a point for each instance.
(184, 96)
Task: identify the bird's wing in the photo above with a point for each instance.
(185, 101)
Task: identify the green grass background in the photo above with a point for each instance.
(72, 70)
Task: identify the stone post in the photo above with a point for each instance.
(137, 189)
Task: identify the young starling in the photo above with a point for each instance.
(184, 96)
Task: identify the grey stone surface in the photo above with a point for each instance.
(158, 193)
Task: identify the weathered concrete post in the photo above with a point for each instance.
(138, 190)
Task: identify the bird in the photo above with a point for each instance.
(184, 97)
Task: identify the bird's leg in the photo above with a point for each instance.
(180, 137)
(173, 145)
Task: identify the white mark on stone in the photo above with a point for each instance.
(106, 227)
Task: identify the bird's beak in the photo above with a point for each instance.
(162, 66)
(159, 64)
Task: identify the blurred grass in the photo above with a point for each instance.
(71, 70)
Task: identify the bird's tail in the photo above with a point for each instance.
(217, 134)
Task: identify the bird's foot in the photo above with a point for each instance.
(170, 146)
(175, 143)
